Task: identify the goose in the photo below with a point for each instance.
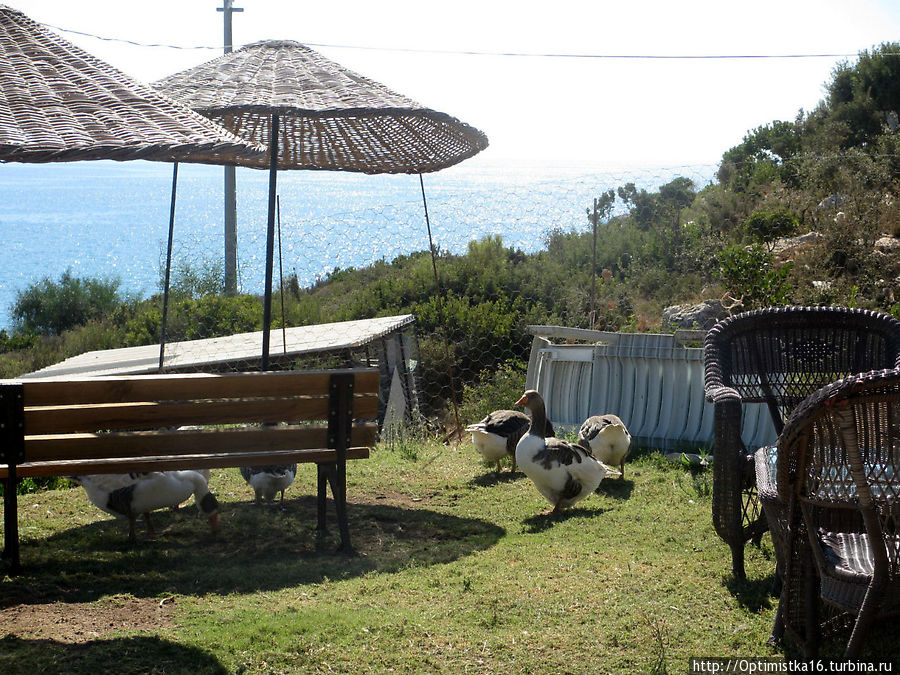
(497, 434)
(267, 481)
(206, 473)
(564, 473)
(607, 438)
(130, 494)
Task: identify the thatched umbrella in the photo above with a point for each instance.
(313, 113)
(60, 104)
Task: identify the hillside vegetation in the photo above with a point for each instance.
(832, 171)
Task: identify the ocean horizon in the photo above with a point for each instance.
(109, 219)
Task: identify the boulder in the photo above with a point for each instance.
(786, 248)
(888, 245)
(703, 315)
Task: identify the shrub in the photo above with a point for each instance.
(50, 307)
(766, 226)
(493, 390)
(16, 342)
(750, 275)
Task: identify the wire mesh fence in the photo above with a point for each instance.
(513, 247)
(367, 255)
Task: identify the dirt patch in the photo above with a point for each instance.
(83, 622)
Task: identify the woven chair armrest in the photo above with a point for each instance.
(721, 394)
(727, 413)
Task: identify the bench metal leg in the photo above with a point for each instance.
(340, 421)
(330, 474)
(339, 490)
(321, 495)
(11, 522)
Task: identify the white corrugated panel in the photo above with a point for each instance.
(653, 383)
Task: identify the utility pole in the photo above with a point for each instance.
(230, 184)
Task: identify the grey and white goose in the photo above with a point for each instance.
(497, 435)
(128, 495)
(564, 473)
(607, 438)
(269, 480)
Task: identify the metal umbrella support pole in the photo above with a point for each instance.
(281, 278)
(270, 239)
(165, 308)
(440, 303)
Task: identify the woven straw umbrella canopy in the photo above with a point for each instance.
(313, 113)
(331, 117)
(60, 104)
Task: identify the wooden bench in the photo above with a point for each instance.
(77, 426)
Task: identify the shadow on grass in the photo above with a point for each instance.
(542, 522)
(616, 488)
(492, 478)
(254, 549)
(753, 594)
(122, 655)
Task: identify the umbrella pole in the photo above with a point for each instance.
(270, 239)
(165, 309)
(440, 307)
(281, 277)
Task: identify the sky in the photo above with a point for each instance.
(609, 112)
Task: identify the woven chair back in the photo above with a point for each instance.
(779, 356)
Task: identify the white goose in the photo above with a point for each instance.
(267, 481)
(565, 473)
(607, 438)
(130, 494)
(497, 434)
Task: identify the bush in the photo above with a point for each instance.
(493, 390)
(16, 342)
(750, 275)
(766, 226)
(51, 307)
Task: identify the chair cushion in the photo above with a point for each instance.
(848, 556)
(765, 460)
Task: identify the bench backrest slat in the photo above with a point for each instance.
(254, 439)
(136, 388)
(151, 414)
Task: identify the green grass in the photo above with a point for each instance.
(456, 571)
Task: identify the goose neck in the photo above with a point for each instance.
(538, 419)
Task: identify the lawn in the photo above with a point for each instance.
(456, 571)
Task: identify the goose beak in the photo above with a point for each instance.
(214, 521)
(522, 400)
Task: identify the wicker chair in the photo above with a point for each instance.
(778, 356)
(838, 469)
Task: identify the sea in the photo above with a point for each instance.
(108, 219)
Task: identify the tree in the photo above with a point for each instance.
(862, 99)
(763, 156)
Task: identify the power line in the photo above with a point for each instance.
(124, 41)
(451, 52)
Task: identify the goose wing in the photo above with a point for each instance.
(557, 452)
(502, 423)
(110, 482)
(597, 424)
